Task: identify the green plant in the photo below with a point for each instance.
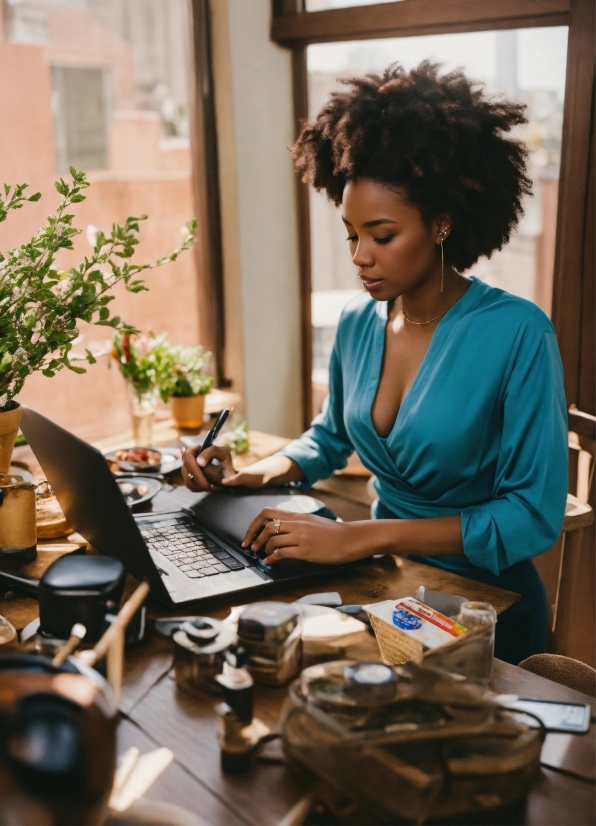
(186, 376)
(40, 306)
(144, 360)
(237, 437)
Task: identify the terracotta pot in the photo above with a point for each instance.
(188, 411)
(9, 428)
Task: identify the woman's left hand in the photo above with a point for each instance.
(303, 536)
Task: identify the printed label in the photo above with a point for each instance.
(405, 620)
(434, 617)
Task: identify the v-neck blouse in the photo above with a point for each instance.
(482, 431)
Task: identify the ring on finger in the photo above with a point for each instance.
(190, 476)
(277, 525)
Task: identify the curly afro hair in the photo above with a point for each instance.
(438, 139)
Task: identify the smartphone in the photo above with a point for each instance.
(568, 717)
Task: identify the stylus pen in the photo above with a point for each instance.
(214, 432)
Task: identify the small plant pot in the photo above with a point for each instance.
(188, 411)
(9, 428)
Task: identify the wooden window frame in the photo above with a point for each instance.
(208, 250)
(573, 284)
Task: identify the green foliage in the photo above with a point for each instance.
(40, 307)
(148, 361)
(144, 360)
(186, 376)
(237, 437)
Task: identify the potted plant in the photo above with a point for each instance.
(40, 307)
(237, 437)
(144, 361)
(185, 385)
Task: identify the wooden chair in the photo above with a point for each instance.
(563, 670)
(582, 455)
(568, 568)
(578, 512)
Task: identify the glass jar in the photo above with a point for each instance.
(480, 618)
(143, 404)
(51, 522)
(18, 531)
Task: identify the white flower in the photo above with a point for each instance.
(3, 399)
(92, 233)
(62, 288)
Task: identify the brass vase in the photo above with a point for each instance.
(188, 411)
(9, 428)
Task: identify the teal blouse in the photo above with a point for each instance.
(482, 432)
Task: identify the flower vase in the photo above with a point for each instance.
(9, 427)
(143, 404)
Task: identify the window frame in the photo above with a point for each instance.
(295, 28)
(208, 250)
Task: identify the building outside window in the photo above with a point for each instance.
(102, 85)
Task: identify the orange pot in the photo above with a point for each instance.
(188, 411)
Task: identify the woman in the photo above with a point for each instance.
(450, 391)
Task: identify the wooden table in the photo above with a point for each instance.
(156, 713)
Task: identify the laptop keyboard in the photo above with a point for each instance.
(187, 547)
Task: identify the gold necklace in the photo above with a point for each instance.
(422, 323)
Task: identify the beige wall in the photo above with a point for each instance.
(253, 87)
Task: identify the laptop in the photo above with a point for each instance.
(190, 553)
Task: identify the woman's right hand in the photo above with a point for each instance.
(200, 474)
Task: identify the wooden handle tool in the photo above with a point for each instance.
(77, 634)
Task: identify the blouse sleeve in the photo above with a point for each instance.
(325, 447)
(531, 479)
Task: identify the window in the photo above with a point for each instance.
(321, 5)
(80, 103)
(103, 85)
(527, 65)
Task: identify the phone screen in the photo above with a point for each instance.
(570, 717)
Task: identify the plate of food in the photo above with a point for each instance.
(138, 489)
(144, 460)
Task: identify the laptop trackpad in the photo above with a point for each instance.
(230, 515)
(292, 568)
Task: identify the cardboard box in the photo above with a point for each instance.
(405, 628)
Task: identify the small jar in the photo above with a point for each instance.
(480, 619)
(200, 646)
(271, 634)
(18, 531)
(51, 522)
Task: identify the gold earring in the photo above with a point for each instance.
(442, 236)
